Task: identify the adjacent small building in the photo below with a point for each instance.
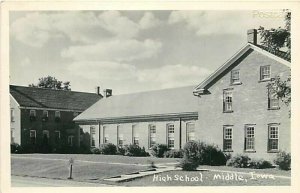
(166, 116)
(45, 116)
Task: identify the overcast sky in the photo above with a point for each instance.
(128, 51)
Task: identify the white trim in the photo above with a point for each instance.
(49, 109)
(15, 100)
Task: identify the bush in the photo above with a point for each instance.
(239, 161)
(16, 148)
(260, 164)
(121, 150)
(158, 150)
(212, 155)
(283, 160)
(108, 149)
(174, 153)
(95, 150)
(135, 150)
(188, 164)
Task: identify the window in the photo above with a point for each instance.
(135, 137)
(12, 115)
(120, 136)
(57, 136)
(105, 135)
(170, 135)
(190, 131)
(32, 136)
(227, 141)
(249, 138)
(46, 134)
(75, 114)
(32, 113)
(45, 113)
(93, 136)
(273, 101)
(265, 72)
(12, 135)
(70, 140)
(235, 76)
(57, 114)
(227, 100)
(273, 137)
(152, 135)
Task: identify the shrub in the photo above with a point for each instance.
(188, 164)
(158, 150)
(121, 150)
(108, 149)
(135, 150)
(283, 160)
(16, 148)
(212, 155)
(239, 161)
(260, 164)
(174, 153)
(95, 150)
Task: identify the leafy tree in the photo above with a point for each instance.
(52, 83)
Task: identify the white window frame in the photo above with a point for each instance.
(70, 140)
(227, 100)
(32, 113)
(249, 138)
(227, 138)
(57, 114)
(105, 135)
(235, 77)
(45, 112)
(12, 115)
(273, 101)
(45, 131)
(263, 72)
(135, 136)
(170, 135)
(34, 136)
(93, 136)
(190, 131)
(152, 135)
(273, 137)
(56, 131)
(12, 135)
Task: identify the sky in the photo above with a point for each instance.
(127, 51)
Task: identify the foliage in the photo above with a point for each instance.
(174, 153)
(16, 148)
(121, 150)
(239, 161)
(95, 150)
(188, 164)
(283, 160)
(108, 149)
(52, 83)
(135, 150)
(260, 164)
(281, 88)
(158, 150)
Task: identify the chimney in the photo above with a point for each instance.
(98, 90)
(107, 93)
(252, 36)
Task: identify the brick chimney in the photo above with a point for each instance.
(252, 36)
(98, 90)
(107, 93)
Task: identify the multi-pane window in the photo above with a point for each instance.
(190, 131)
(12, 115)
(273, 137)
(235, 76)
(12, 135)
(105, 135)
(273, 101)
(46, 134)
(227, 100)
(120, 141)
(32, 136)
(57, 114)
(70, 140)
(93, 136)
(32, 113)
(45, 113)
(249, 137)
(56, 136)
(170, 139)
(265, 72)
(152, 135)
(227, 141)
(135, 137)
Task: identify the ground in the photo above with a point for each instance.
(90, 170)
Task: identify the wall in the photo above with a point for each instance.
(250, 106)
(15, 124)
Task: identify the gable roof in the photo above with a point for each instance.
(202, 87)
(52, 99)
(150, 103)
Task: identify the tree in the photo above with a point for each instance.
(51, 83)
(273, 40)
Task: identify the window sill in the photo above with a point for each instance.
(249, 151)
(236, 83)
(227, 111)
(274, 108)
(265, 80)
(273, 151)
